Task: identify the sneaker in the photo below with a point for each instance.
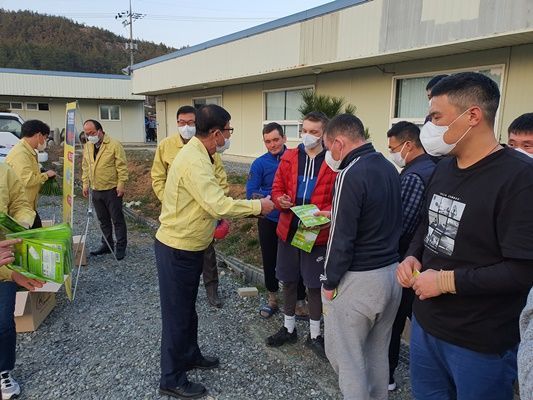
(301, 312)
(392, 385)
(317, 345)
(10, 388)
(281, 337)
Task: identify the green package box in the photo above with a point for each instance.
(44, 253)
(305, 239)
(306, 215)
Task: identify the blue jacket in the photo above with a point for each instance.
(260, 178)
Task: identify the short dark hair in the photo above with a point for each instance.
(522, 124)
(433, 81)
(347, 125)
(186, 110)
(273, 126)
(32, 127)
(467, 89)
(405, 131)
(210, 116)
(317, 116)
(97, 125)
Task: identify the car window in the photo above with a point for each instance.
(10, 125)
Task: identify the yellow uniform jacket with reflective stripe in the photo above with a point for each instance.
(166, 152)
(23, 159)
(193, 201)
(14, 203)
(109, 170)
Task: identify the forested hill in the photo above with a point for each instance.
(35, 41)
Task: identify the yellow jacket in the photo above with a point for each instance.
(14, 203)
(193, 201)
(23, 159)
(109, 170)
(165, 153)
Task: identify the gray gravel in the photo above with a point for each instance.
(105, 345)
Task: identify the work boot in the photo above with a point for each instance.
(212, 295)
(281, 337)
(103, 249)
(120, 254)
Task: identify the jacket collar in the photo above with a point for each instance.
(419, 159)
(196, 143)
(28, 147)
(278, 156)
(367, 148)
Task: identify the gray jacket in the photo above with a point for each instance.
(525, 351)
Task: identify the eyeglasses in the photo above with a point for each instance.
(395, 147)
(183, 123)
(228, 129)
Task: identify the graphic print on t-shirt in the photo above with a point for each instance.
(445, 214)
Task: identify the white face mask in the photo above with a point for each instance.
(432, 138)
(523, 152)
(93, 139)
(310, 141)
(41, 147)
(224, 147)
(332, 163)
(397, 158)
(187, 132)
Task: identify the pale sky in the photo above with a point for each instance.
(174, 23)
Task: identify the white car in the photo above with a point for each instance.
(10, 126)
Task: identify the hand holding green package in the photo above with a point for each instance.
(44, 253)
(306, 213)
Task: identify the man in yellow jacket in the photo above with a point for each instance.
(192, 203)
(14, 203)
(105, 172)
(166, 151)
(23, 159)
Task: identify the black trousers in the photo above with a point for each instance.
(404, 311)
(210, 270)
(179, 276)
(8, 336)
(268, 240)
(108, 207)
(37, 223)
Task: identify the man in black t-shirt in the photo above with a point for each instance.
(471, 260)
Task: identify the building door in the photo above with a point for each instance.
(161, 114)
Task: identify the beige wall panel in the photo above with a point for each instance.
(359, 30)
(36, 85)
(272, 51)
(318, 39)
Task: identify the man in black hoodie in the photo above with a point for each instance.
(360, 294)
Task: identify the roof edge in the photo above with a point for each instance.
(301, 16)
(63, 73)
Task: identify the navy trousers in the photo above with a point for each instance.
(179, 276)
(8, 336)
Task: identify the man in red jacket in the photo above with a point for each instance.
(303, 177)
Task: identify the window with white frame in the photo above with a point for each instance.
(282, 106)
(36, 106)
(9, 106)
(201, 101)
(410, 99)
(110, 112)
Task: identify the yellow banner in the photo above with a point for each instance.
(68, 164)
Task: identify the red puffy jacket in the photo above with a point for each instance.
(286, 182)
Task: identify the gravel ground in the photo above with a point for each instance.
(105, 344)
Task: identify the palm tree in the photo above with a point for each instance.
(329, 105)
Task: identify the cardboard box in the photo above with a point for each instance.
(31, 309)
(79, 250)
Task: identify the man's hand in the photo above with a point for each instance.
(266, 205)
(50, 173)
(28, 283)
(285, 201)
(85, 192)
(326, 214)
(405, 273)
(6, 251)
(328, 294)
(426, 285)
(120, 192)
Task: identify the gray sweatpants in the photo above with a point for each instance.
(357, 331)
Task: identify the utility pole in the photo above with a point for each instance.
(127, 18)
